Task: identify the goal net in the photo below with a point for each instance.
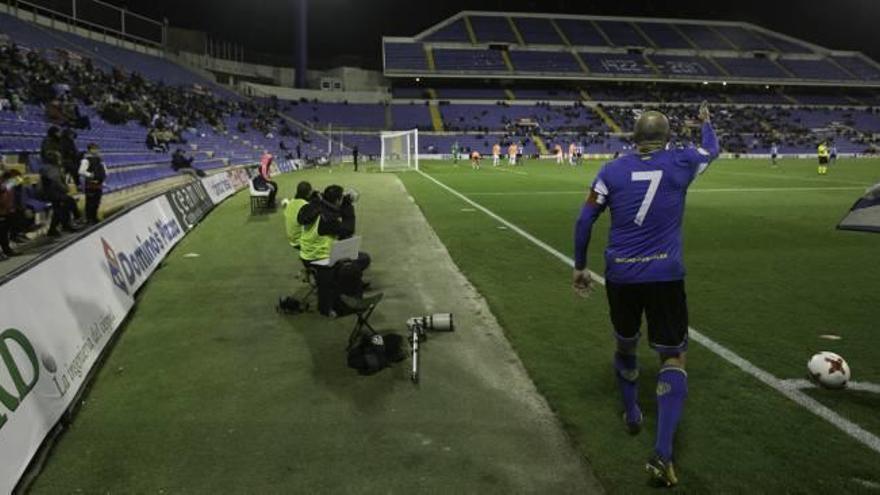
(400, 150)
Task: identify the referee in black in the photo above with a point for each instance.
(354, 155)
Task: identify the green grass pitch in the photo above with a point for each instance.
(207, 390)
(768, 274)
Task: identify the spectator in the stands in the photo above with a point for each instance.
(76, 117)
(55, 113)
(51, 143)
(93, 172)
(8, 183)
(70, 155)
(64, 209)
(154, 142)
(182, 163)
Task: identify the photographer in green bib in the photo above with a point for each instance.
(325, 219)
(291, 210)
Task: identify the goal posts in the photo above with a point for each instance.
(400, 150)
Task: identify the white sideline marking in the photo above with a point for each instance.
(692, 190)
(853, 430)
(499, 169)
(800, 383)
(788, 177)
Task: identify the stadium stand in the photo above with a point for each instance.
(743, 39)
(621, 33)
(472, 93)
(684, 65)
(610, 47)
(704, 37)
(456, 59)
(354, 115)
(537, 31)
(581, 32)
(492, 29)
(405, 56)
(540, 61)
(455, 31)
(411, 116)
(815, 69)
(57, 78)
(663, 35)
(751, 67)
(859, 67)
(616, 63)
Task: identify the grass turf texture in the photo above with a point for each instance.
(208, 390)
(768, 274)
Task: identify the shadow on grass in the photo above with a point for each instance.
(327, 340)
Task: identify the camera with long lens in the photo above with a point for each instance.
(352, 195)
(440, 322)
(418, 328)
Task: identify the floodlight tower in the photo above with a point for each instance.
(302, 39)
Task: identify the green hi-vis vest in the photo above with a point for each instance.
(312, 246)
(294, 229)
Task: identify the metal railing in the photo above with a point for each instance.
(96, 16)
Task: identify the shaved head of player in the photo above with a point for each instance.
(651, 131)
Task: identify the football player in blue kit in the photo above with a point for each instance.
(644, 272)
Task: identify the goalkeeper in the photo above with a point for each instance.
(644, 268)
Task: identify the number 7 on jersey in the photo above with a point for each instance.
(654, 177)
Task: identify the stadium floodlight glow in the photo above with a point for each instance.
(400, 150)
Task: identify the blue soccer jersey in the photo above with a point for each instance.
(646, 195)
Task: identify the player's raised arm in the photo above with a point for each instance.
(699, 158)
(709, 141)
(583, 229)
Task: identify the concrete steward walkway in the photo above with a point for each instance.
(209, 390)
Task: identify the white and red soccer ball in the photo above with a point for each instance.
(828, 370)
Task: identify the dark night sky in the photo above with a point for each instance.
(349, 31)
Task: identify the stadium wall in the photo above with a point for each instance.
(261, 90)
(280, 76)
(57, 317)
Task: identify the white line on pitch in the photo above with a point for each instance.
(853, 430)
(499, 169)
(722, 170)
(694, 190)
(800, 383)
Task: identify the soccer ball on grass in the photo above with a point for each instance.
(828, 370)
